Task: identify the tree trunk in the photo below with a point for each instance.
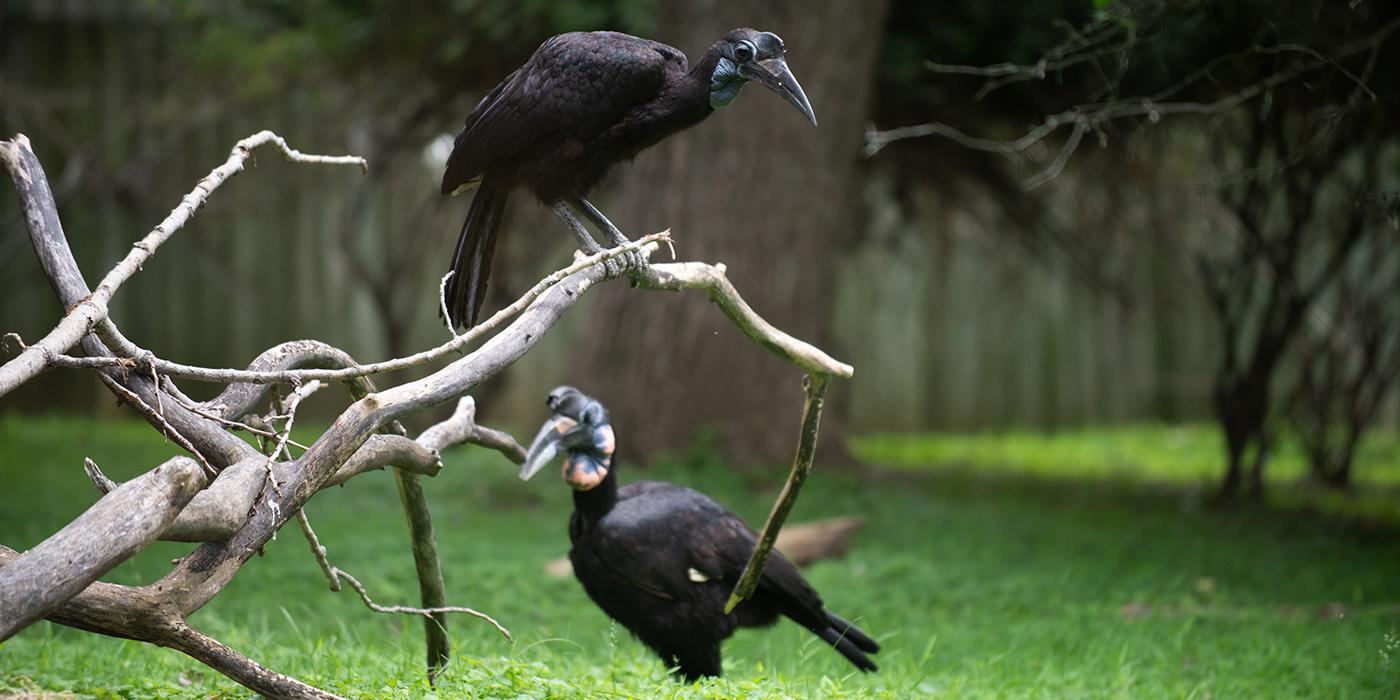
(760, 189)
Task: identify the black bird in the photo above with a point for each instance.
(583, 102)
(662, 559)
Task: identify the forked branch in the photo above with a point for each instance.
(236, 515)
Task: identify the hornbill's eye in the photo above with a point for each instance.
(743, 52)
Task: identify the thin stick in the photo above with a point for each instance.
(815, 385)
(290, 408)
(165, 427)
(426, 612)
(80, 319)
(317, 550)
(334, 574)
(224, 376)
(236, 425)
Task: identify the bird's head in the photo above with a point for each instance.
(578, 426)
(748, 54)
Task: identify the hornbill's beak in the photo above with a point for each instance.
(773, 73)
(560, 432)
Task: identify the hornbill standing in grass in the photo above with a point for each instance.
(662, 559)
(583, 102)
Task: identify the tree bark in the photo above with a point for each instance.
(119, 525)
(757, 186)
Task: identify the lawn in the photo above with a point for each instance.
(978, 582)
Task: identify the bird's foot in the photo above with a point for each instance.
(634, 261)
(636, 265)
(612, 267)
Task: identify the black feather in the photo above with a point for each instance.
(471, 261)
(634, 548)
(583, 102)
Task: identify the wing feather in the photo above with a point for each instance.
(575, 85)
(654, 541)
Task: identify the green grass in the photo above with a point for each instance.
(978, 584)
(1181, 456)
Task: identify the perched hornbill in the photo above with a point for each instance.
(583, 102)
(662, 559)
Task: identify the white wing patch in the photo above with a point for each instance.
(695, 575)
(467, 186)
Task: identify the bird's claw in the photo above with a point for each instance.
(636, 264)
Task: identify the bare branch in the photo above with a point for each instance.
(233, 515)
(1056, 166)
(19, 159)
(289, 409)
(382, 451)
(711, 279)
(238, 399)
(222, 658)
(158, 418)
(334, 574)
(1096, 115)
(218, 511)
(815, 387)
(100, 480)
(354, 371)
(462, 427)
(317, 550)
(134, 613)
(426, 612)
(120, 524)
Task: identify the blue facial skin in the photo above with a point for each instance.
(725, 84)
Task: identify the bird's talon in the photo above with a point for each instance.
(636, 266)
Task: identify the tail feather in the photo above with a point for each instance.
(471, 261)
(853, 633)
(851, 642)
(794, 597)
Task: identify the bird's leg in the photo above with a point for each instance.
(635, 259)
(586, 244)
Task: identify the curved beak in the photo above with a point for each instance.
(773, 73)
(559, 432)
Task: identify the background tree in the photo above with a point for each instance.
(1297, 111)
(756, 185)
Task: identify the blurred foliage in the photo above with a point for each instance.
(1164, 455)
(1157, 43)
(441, 42)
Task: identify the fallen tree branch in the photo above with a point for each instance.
(128, 518)
(156, 613)
(131, 612)
(218, 511)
